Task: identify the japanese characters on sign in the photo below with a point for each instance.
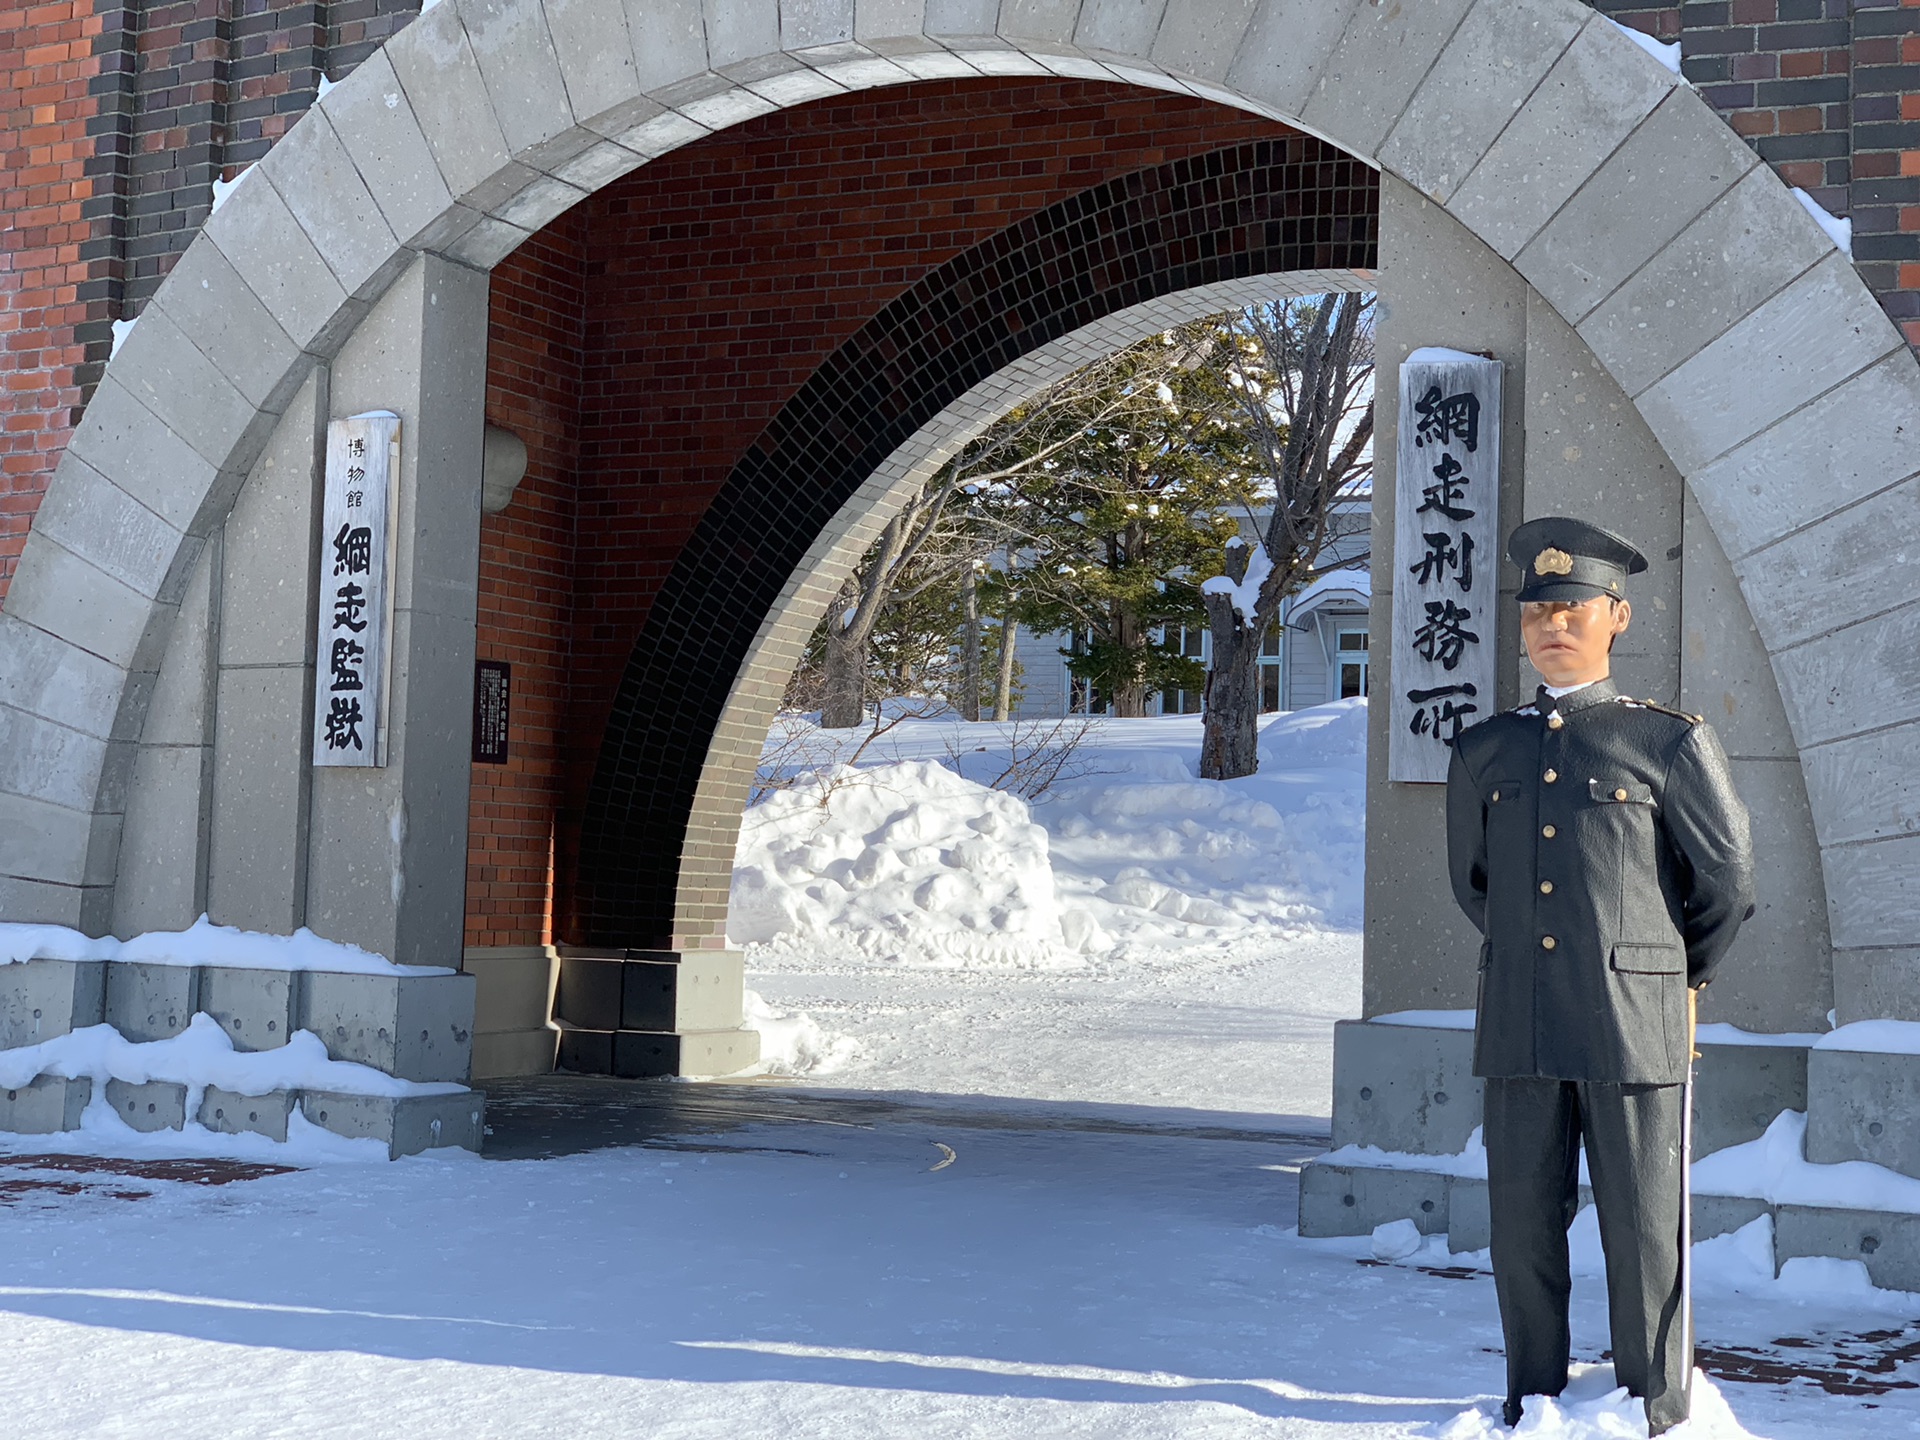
(1446, 545)
(355, 608)
(492, 710)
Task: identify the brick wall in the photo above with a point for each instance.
(1828, 93)
(714, 281)
(47, 66)
(534, 360)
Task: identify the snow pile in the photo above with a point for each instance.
(1469, 1164)
(907, 859)
(202, 943)
(794, 1044)
(1880, 1037)
(1160, 860)
(199, 1056)
(1774, 1168)
(919, 861)
(1593, 1407)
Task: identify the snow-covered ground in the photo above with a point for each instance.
(1135, 935)
(1106, 1038)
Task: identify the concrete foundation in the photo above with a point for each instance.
(1860, 1106)
(156, 1105)
(418, 1027)
(1404, 1088)
(407, 1124)
(42, 999)
(255, 1007)
(228, 1113)
(640, 1013)
(639, 1055)
(50, 1104)
(151, 1002)
(514, 989)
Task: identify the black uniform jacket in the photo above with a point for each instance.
(1598, 844)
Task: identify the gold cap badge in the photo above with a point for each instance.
(1552, 561)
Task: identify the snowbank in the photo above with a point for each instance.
(199, 1056)
(794, 1044)
(905, 858)
(1774, 1168)
(202, 943)
(1593, 1407)
(917, 861)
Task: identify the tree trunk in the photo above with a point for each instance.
(1003, 691)
(1229, 737)
(1229, 734)
(845, 702)
(970, 645)
(1130, 699)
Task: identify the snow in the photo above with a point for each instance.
(1667, 53)
(1075, 1220)
(199, 1056)
(907, 858)
(1880, 1037)
(1428, 1019)
(1838, 230)
(1774, 1168)
(1718, 1032)
(1470, 1163)
(1441, 355)
(223, 188)
(202, 943)
(1245, 592)
(1354, 579)
(1208, 931)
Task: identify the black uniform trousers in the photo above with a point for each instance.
(1635, 1143)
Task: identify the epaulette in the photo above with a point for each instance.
(1690, 718)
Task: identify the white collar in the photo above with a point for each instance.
(1556, 691)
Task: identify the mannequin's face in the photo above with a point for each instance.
(1569, 641)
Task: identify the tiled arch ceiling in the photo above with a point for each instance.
(1262, 208)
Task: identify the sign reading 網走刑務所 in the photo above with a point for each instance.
(355, 579)
(1445, 558)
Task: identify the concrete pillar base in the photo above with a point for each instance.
(638, 1013)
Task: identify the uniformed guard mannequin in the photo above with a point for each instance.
(1598, 844)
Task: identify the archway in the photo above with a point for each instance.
(1527, 120)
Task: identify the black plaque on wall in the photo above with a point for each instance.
(492, 709)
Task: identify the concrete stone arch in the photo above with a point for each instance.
(1757, 357)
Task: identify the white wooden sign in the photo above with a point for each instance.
(1446, 557)
(355, 590)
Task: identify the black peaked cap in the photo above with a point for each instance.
(1561, 558)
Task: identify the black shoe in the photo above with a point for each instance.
(1510, 1412)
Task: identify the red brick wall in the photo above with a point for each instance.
(526, 584)
(715, 280)
(46, 63)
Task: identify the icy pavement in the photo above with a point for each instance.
(812, 1265)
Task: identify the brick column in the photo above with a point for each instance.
(1886, 155)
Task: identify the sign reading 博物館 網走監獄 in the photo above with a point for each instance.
(355, 591)
(1446, 555)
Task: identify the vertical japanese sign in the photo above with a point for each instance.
(492, 710)
(355, 590)
(1445, 557)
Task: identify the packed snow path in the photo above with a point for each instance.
(825, 1275)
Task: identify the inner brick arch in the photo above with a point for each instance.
(1292, 208)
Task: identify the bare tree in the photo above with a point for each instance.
(942, 533)
(1303, 370)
